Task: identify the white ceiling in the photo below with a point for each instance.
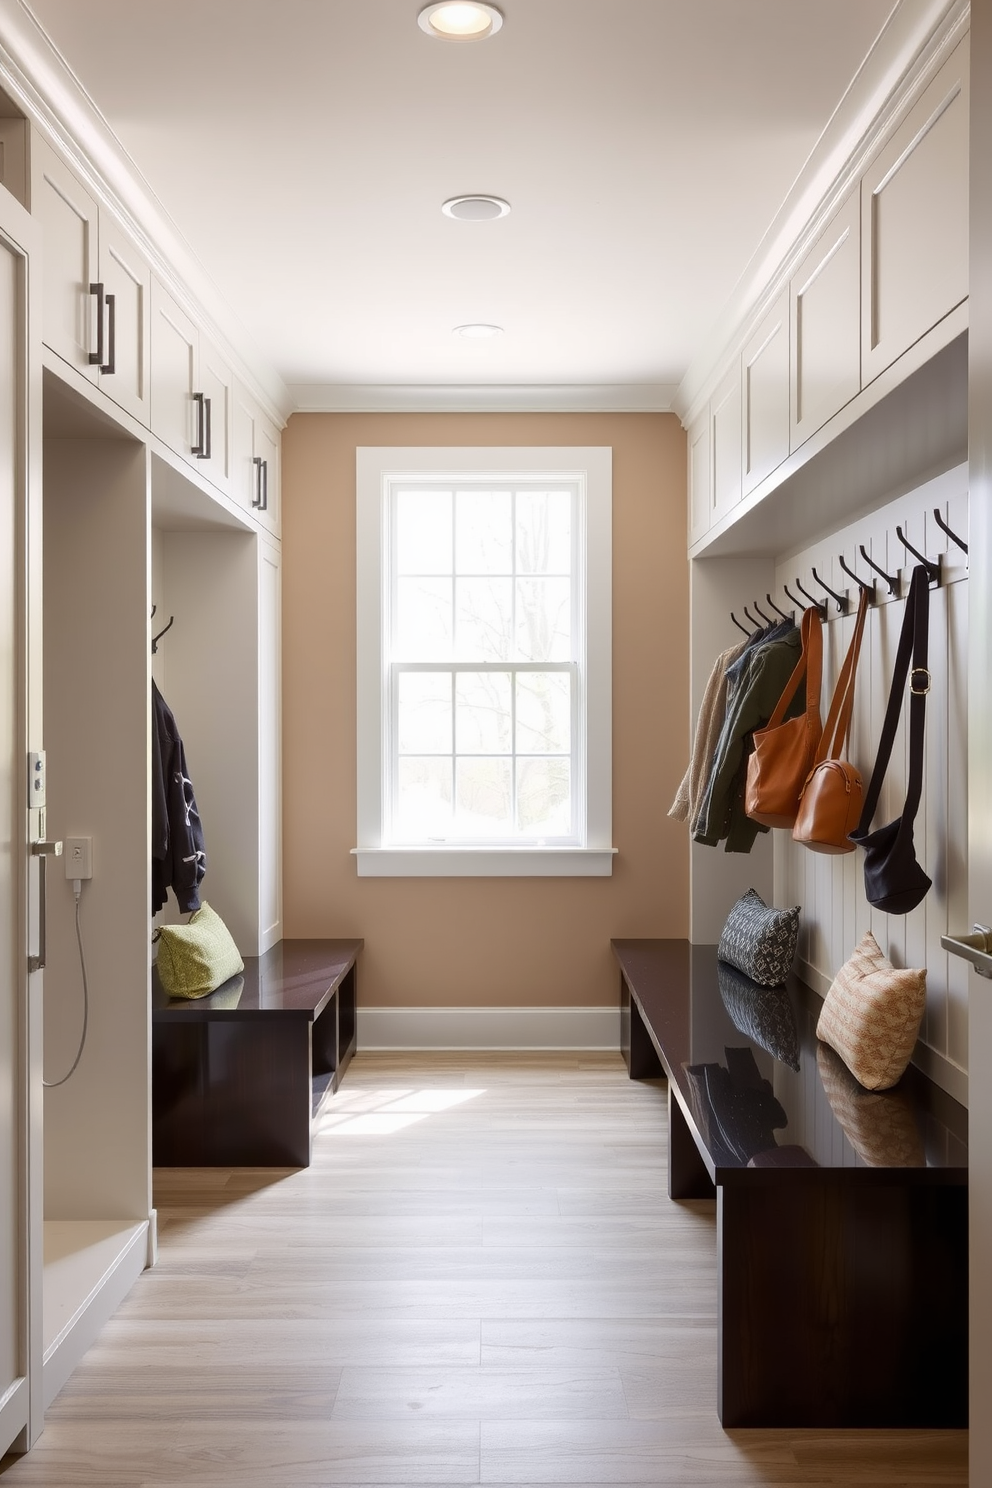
(304, 147)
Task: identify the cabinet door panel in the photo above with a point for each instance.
(69, 220)
(267, 445)
(765, 389)
(243, 422)
(126, 275)
(915, 220)
(725, 427)
(825, 303)
(700, 504)
(174, 348)
(216, 383)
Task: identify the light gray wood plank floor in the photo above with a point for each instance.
(480, 1280)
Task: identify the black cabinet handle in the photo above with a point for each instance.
(260, 500)
(199, 449)
(110, 365)
(207, 429)
(96, 357)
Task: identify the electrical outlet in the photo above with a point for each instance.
(78, 857)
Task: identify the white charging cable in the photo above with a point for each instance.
(77, 885)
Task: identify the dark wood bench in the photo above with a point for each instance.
(237, 1077)
(841, 1215)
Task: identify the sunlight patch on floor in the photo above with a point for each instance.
(367, 1113)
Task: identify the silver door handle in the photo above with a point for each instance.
(42, 851)
(976, 948)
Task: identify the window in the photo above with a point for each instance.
(484, 727)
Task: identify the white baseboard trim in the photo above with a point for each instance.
(488, 1028)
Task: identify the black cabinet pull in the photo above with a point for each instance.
(96, 357)
(207, 429)
(110, 365)
(260, 500)
(199, 449)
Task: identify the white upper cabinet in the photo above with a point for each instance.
(914, 214)
(177, 418)
(96, 285)
(825, 300)
(126, 279)
(216, 383)
(192, 391)
(700, 514)
(725, 435)
(765, 390)
(257, 478)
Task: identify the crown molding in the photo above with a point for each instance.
(37, 76)
(654, 397)
(914, 42)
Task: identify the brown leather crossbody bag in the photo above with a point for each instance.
(785, 751)
(830, 805)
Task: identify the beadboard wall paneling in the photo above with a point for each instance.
(831, 889)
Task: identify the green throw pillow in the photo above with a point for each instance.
(195, 958)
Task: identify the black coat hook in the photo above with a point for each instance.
(944, 528)
(861, 583)
(933, 569)
(789, 595)
(156, 639)
(775, 607)
(756, 623)
(819, 605)
(766, 618)
(738, 624)
(890, 579)
(841, 599)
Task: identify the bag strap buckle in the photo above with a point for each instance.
(919, 671)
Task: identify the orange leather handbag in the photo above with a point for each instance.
(784, 752)
(832, 797)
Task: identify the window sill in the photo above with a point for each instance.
(484, 862)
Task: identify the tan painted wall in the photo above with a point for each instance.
(436, 942)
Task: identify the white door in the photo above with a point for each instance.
(980, 739)
(20, 1227)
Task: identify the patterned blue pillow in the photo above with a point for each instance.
(759, 941)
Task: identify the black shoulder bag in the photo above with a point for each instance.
(894, 880)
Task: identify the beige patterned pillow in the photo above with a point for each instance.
(872, 1015)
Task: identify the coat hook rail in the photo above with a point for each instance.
(738, 624)
(869, 588)
(819, 605)
(933, 569)
(891, 579)
(944, 528)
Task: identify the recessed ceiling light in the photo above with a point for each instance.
(475, 208)
(478, 332)
(453, 20)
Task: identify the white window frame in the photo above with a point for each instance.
(377, 471)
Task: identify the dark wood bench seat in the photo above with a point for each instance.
(238, 1076)
(841, 1213)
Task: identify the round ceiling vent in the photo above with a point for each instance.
(478, 331)
(475, 208)
(455, 21)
